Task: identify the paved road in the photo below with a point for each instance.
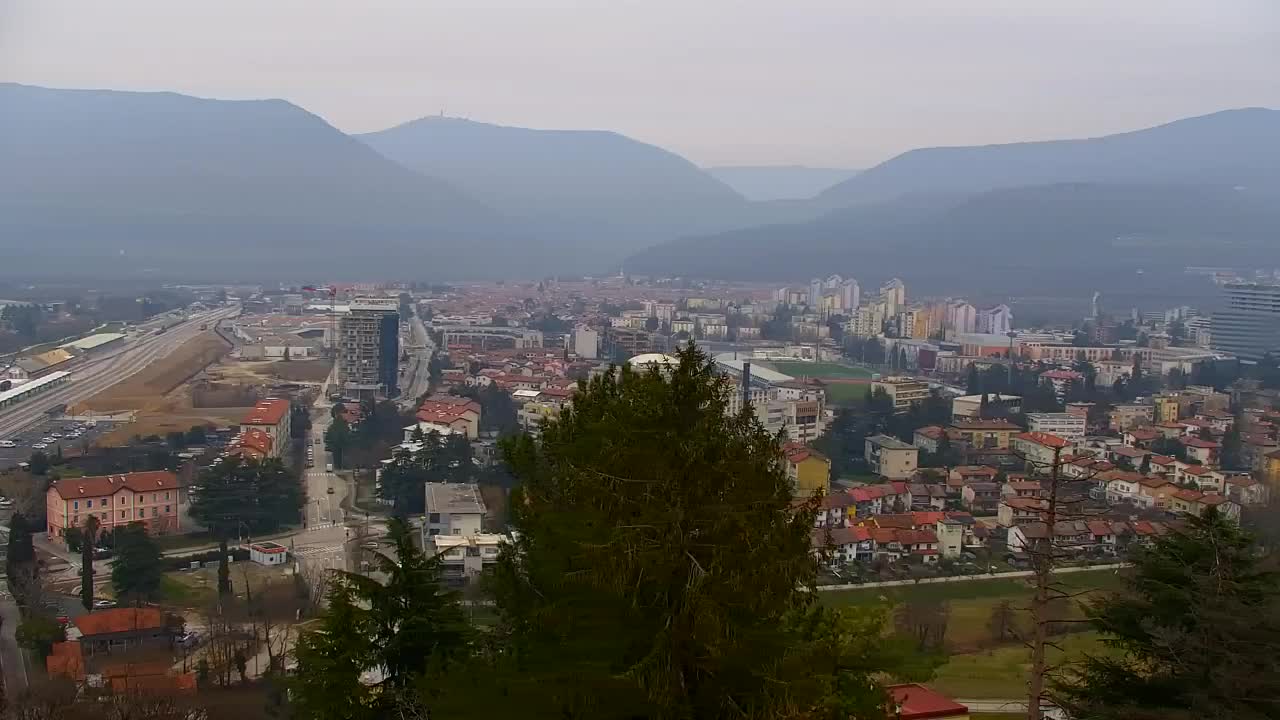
(99, 373)
(968, 578)
(1001, 706)
(419, 375)
(11, 656)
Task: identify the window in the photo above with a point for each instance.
(166, 496)
(166, 509)
(139, 512)
(433, 517)
(121, 514)
(455, 531)
(155, 497)
(155, 512)
(121, 499)
(473, 551)
(433, 531)
(76, 504)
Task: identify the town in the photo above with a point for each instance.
(930, 439)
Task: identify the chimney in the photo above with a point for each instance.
(746, 384)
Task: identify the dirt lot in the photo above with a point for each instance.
(314, 371)
(150, 385)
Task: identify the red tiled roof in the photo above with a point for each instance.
(267, 412)
(1162, 460)
(993, 424)
(1099, 528)
(795, 452)
(1062, 375)
(65, 660)
(1043, 438)
(119, 620)
(1196, 470)
(917, 702)
(105, 485)
(1196, 442)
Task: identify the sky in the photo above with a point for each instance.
(835, 83)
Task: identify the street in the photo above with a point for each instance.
(418, 377)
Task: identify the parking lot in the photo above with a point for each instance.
(10, 457)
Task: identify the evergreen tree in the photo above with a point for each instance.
(136, 568)
(21, 555)
(1233, 448)
(408, 629)
(1195, 632)
(660, 569)
(89, 538)
(973, 386)
(337, 439)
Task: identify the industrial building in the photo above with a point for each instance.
(369, 347)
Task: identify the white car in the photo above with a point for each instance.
(8, 444)
(55, 435)
(39, 446)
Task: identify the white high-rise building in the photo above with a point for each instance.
(996, 321)
(962, 317)
(894, 295)
(586, 342)
(815, 292)
(850, 295)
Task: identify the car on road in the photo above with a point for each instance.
(329, 491)
(8, 444)
(46, 439)
(103, 604)
(55, 435)
(189, 639)
(6, 503)
(40, 446)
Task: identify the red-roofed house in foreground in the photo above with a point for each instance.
(917, 702)
(154, 499)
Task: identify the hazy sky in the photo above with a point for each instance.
(820, 82)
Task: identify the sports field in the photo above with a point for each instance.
(822, 370)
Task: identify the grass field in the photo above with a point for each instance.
(846, 394)
(821, 370)
(1002, 672)
(983, 673)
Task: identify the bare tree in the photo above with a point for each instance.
(1003, 622)
(925, 621)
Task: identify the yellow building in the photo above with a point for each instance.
(1271, 469)
(1166, 409)
(809, 470)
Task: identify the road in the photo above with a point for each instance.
(101, 372)
(967, 578)
(11, 656)
(418, 376)
(1008, 707)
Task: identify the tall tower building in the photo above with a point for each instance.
(894, 295)
(850, 295)
(369, 347)
(815, 292)
(1249, 326)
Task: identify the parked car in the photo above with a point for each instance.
(55, 435)
(188, 639)
(39, 446)
(8, 444)
(103, 604)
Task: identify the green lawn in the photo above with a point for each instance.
(821, 370)
(846, 394)
(1002, 672)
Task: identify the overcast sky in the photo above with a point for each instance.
(819, 82)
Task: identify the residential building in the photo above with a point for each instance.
(894, 295)
(1205, 451)
(914, 701)
(977, 434)
(1067, 426)
(850, 295)
(1194, 502)
(809, 470)
(458, 413)
(970, 406)
(453, 509)
(980, 498)
(928, 437)
(586, 342)
(369, 347)
(913, 322)
(1020, 511)
(1249, 326)
(902, 390)
(890, 457)
(155, 499)
(1126, 416)
(119, 630)
(271, 416)
(464, 558)
(804, 420)
(1039, 450)
(622, 343)
(962, 317)
(996, 321)
(1062, 381)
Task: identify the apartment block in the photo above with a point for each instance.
(891, 458)
(369, 347)
(902, 390)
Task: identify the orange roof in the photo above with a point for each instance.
(1043, 438)
(796, 453)
(119, 620)
(105, 485)
(65, 660)
(267, 412)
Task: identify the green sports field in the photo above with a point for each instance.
(821, 370)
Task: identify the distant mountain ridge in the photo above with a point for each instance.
(1184, 192)
(1235, 147)
(609, 192)
(780, 182)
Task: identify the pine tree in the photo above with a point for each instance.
(660, 567)
(1195, 632)
(136, 569)
(973, 386)
(89, 539)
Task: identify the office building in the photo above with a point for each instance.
(1067, 426)
(1249, 326)
(902, 390)
(996, 321)
(369, 347)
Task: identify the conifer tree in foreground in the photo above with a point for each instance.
(662, 568)
(1194, 634)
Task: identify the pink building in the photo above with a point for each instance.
(151, 498)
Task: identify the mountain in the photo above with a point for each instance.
(122, 181)
(609, 193)
(779, 182)
(1232, 147)
(1066, 235)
